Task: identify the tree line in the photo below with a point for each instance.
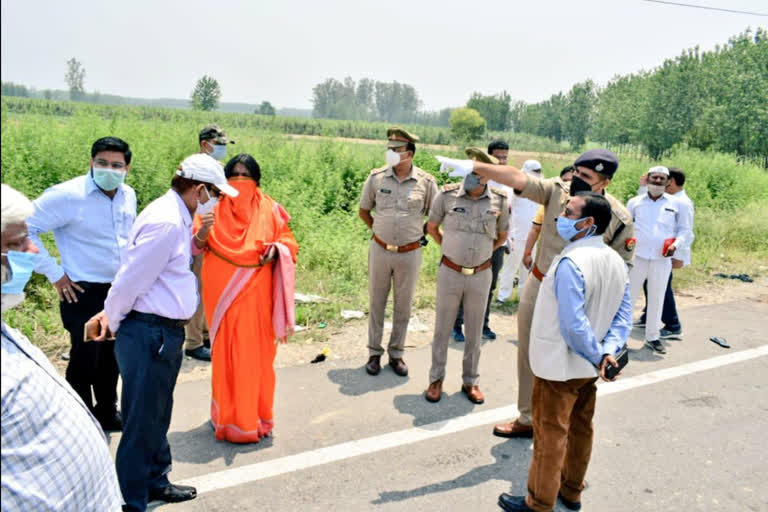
(714, 99)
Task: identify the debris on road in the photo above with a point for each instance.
(348, 314)
(741, 277)
(322, 355)
(306, 298)
(414, 325)
(720, 341)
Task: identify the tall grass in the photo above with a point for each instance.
(319, 182)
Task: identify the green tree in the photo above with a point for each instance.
(266, 109)
(494, 109)
(467, 124)
(577, 113)
(75, 78)
(206, 94)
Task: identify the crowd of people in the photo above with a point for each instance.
(207, 270)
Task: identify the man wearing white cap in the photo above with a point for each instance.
(523, 212)
(662, 225)
(152, 296)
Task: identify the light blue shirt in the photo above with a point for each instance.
(574, 324)
(91, 230)
(54, 454)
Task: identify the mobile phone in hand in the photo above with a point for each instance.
(622, 359)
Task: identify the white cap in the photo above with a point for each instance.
(659, 169)
(531, 166)
(202, 167)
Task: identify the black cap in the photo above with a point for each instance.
(601, 160)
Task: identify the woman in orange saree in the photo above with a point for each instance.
(247, 283)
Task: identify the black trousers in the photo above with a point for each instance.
(497, 261)
(92, 371)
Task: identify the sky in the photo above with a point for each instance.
(278, 50)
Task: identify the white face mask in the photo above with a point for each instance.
(655, 190)
(206, 207)
(392, 157)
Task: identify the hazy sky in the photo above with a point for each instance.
(278, 50)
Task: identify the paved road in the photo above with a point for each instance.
(682, 432)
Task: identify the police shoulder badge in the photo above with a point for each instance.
(630, 243)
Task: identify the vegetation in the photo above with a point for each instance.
(75, 79)
(206, 94)
(494, 109)
(319, 181)
(265, 109)
(467, 124)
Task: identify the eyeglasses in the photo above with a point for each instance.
(213, 191)
(118, 166)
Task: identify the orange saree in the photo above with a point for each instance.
(238, 300)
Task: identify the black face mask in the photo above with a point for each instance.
(579, 185)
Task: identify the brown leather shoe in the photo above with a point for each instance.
(473, 393)
(435, 391)
(513, 429)
(374, 365)
(399, 366)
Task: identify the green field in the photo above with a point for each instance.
(319, 181)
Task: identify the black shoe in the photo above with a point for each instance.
(656, 346)
(513, 503)
(671, 334)
(373, 367)
(458, 335)
(570, 505)
(112, 422)
(173, 493)
(488, 334)
(200, 353)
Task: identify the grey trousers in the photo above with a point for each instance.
(452, 287)
(387, 270)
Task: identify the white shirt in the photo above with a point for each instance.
(90, 229)
(659, 220)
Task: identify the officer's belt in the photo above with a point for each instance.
(537, 273)
(467, 271)
(397, 248)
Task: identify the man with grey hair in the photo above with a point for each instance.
(54, 454)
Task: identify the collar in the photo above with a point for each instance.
(390, 172)
(186, 217)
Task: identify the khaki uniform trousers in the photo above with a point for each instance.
(452, 286)
(524, 372)
(197, 326)
(386, 270)
(562, 440)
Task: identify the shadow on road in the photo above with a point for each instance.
(355, 382)
(512, 458)
(199, 446)
(424, 413)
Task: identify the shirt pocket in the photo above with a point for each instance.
(415, 200)
(488, 220)
(668, 217)
(384, 199)
(457, 219)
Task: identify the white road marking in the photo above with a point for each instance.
(267, 469)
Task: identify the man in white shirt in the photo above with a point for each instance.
(672, 328)
(662, 226)
(523, 212)
(91, 218)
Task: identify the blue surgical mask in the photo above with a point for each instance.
(219, 151)
(22, 264)
(107, 179)
(566, 228)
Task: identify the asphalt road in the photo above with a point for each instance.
(685, 431)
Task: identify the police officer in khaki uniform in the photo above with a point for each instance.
(213, 141)
(475, 221)
(399, 195)
(593, 171)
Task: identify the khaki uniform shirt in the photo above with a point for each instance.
(553, 194)
(399, 207)
(470, 226)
